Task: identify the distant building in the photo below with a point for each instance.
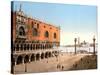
(84, 44)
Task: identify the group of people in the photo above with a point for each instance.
(59, 66)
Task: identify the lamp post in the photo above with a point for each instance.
(58, 60)
(75, 40)
(94, 45)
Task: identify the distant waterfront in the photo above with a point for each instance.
(72, 49)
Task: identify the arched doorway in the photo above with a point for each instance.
(42, 56)
(37, 56)
(26, 59)
(32, 57)
(19, 59)
(49, 54)
(46, 55)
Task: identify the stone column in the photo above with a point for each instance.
(15, 62)
(23, 46)
(75, 44)
(35, 46)
(34, 57)
(23, 60)
(29, 58)
(15, 49)
(19, 47)
(94, 45)
(40, 57)
(41, 46)
(29, 47)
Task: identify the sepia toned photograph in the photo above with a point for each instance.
(53, 37)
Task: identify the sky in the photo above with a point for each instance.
(76, 21)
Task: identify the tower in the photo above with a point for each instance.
(78, 41)
(20, 7)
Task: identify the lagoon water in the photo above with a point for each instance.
(72, 49)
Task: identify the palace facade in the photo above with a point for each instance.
(32, 40)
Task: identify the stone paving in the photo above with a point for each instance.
(62, 63)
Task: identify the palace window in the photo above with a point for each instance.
(21, 31)
(35, 32)
(46, 34)
(55, 35)
(37, 25)
(32, 23)
(44, 27)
